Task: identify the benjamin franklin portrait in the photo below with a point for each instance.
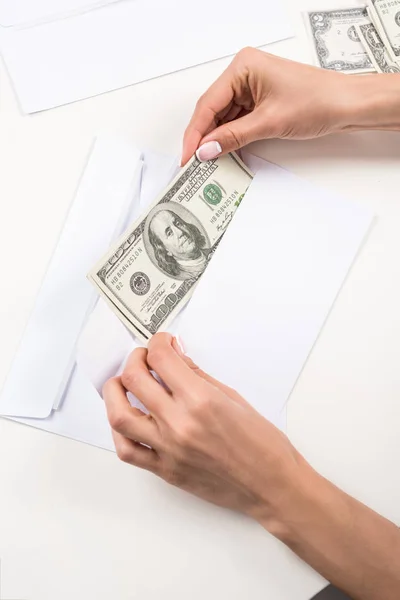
(176, 241)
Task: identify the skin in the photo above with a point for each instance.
(177, 240)
(262, 96)
(197, 427)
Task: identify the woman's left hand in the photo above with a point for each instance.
(200, 435)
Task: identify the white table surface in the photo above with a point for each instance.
(77, 523)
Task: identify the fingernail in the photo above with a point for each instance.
(208, 151)
(179, 343)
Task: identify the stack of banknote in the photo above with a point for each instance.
(150, 273)
(358, 39)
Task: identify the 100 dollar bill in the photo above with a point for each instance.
(150, 273)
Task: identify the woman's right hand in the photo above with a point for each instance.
(205, 438)
(263, 96)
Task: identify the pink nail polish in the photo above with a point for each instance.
(180, 344)
(208, 151)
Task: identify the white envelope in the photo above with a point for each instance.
(17, 13)
(256, 329)
(66, 297)
(61, 60)
(267, 292)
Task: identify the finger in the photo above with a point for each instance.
(231, 136)
(208, 109)
(233, 394)
(242, 113)
(137, 378)
(231, 114)
(126, 420)
(174, 372)
(136, 454)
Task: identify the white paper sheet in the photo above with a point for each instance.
(127, 42)
(265, 295)
(23, 12)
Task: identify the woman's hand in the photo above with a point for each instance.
(203, 437)
(262, 96)
(200, 435)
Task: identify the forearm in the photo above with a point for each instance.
(373, 103)
(350, 545)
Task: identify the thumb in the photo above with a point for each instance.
(178, 346)
(231, 136)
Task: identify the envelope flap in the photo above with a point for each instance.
(46, 355)
(16, 13)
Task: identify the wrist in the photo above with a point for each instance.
(371, 102)
(302, 505)
(278, 501)
(345, 541)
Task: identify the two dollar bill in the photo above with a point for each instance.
(359, 39)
